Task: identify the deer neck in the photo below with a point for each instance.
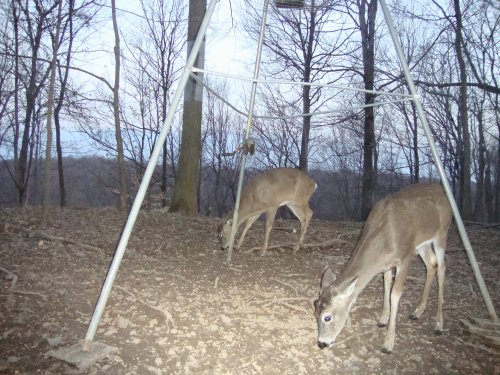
(363, 267)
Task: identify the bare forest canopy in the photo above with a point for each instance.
(85, 87)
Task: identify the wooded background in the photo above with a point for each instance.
(106, 120)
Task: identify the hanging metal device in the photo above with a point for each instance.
(248, 147)
(294, 4)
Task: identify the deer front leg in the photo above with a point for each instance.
(247, 226)
(397, 289)
(384, 317)
(270, 214)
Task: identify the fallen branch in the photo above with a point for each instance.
(288, 285)
(165, 313)
(304, 246)
(42, 296)
(296, 308)
(369, 332)
(487, 225)
(67, 240)
(284, 302)
(481, 331)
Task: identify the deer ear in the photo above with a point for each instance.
(328, 278)
(350, 289)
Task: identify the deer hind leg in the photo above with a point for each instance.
(384, 317)
(439, 249)
(270, 214)
(397, 289)
(247, 226)
(430, 261)
(304, 215)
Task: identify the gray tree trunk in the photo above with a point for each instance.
(122, 178)
(186, 185)
(367, 13)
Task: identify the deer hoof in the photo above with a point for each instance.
(413, 317)
(381, 325)
(386, 351)
(438, 332)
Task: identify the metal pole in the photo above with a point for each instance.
(439, 165)
(249, 125)
(120, 250)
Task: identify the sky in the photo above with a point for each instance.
(224, 47)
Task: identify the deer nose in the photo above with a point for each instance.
(322, 345)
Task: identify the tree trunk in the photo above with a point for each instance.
(497, 185)
(32, 92)
(15, 20)
(306, 92)
(465, 195)
(489, 197)
(163, 185)
(186, 185)
(50, 107)
(367, 26)
(480, 203)
(415, 178)
(122, 180)
(58, 107)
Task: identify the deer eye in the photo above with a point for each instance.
(327, 318)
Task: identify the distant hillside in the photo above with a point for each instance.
(91, 182)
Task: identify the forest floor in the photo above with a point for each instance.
(177, 306)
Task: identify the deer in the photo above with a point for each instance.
(264, 194)
(413, 221)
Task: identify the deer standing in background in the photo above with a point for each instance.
(265, 193)
(412, 221)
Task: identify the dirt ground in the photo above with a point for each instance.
(177, 306)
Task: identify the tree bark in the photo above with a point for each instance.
(15, 20)
(186, 185)
(367, 13)
(497, 186)
(50, 107)
(32, 92)
(58, 107)
(122, 179)
(306, 95)
(465, 194)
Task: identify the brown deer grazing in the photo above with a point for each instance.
(412, 221)
(265, 193)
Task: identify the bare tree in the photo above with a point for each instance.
(186, 185)
(465, 195)
(366, 11)
(33, 23)
(50, 105)
(220, 137)
(153, 67)
(7, 85)
(122, 178)
(78, 17)
(301, 45)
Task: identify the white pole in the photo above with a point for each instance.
(249, 125)
(439, 165)
(122, 245)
